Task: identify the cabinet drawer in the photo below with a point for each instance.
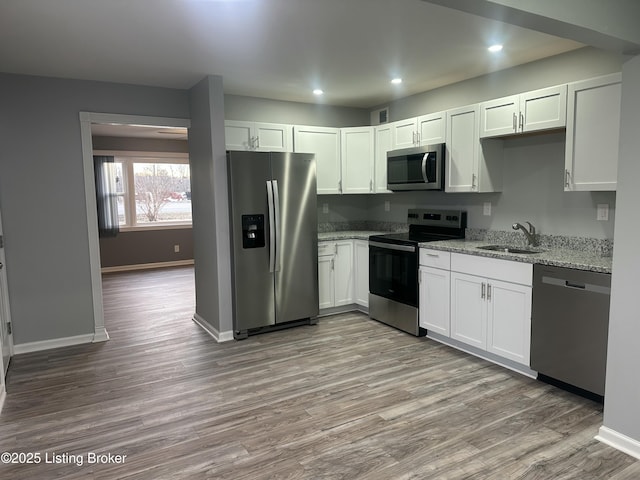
(326, 248)
(505, 270)
(435, 258)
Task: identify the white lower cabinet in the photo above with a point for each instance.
(434, 280)
(361, 272)
(491, 305)
(335, 273)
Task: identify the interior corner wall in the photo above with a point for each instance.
(210, 208)
(43, 197)
(622, 393)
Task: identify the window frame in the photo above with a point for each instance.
(128, 158)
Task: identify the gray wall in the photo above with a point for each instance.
(212, 249)
(146, 246)
(623, 387)
(276, 111)
(43, 199)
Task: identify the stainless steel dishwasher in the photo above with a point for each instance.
(569, 326)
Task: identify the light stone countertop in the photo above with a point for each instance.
(580, 260)
(347, 235)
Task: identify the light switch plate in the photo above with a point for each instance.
(602, 212)
(486, 209)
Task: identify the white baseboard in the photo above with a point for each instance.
(53, 343)
(619, 441)
(146, 266)
(101, 335)
(207, 327)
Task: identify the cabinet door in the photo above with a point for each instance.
(326, 286)
(361, 274)
(273, 137)
(238, 135)
(431, 128)
(343, 273)
(325, 143)
(469, 309)
(593, 131)
(499, 117)
(509, 320)
(434, 300)
(357, 158)
(543, 109)
(404, 133)
(462, 150)
(383, 143)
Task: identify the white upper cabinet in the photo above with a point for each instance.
(471, 166)
(432, 128)
(422, 130)
(357, 148)
(528, 112)
(383, 143)
(404, 133)
(325, 143)
(593, 131)
(265, 137)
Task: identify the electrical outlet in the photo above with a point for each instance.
(387, 205)
(486, 209)
(325, 208)
(602, 212)
(176, 248)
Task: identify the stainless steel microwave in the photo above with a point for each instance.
(416, 168)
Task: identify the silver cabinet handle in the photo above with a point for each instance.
(417, 138)
(482, 292)
(473, 181)
(521, 122)
(371, 185)
(515, 122)
(332, 264)
(489, 291)
(567, 174)
(340, 186)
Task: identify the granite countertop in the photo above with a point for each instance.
(347, 235)
(560, 257)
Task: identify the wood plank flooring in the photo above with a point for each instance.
(349, 398)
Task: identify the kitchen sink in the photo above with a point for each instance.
(508, 249)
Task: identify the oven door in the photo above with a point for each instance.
(393, 272)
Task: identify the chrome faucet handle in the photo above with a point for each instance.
(532, 229)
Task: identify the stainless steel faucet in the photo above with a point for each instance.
(529, 233)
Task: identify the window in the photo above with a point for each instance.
(153, 192)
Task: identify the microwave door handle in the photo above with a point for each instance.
(425, 159)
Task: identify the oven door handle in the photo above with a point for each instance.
(389, 246)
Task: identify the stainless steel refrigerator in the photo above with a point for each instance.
(274, 240)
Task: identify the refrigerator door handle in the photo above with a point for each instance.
(272, 229)
(276, 209)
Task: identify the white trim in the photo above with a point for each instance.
(3, 396)
(207, 327)
(146, 266)
(619, 441)
(54, 343)
(145, 154)
(158, 226)
(100, 335)
(86, 119)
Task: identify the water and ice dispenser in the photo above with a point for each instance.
(253, 231)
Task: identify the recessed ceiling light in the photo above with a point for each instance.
(396, 81)
(318, 91)
(495, 48)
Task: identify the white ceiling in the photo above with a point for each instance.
(279, 49)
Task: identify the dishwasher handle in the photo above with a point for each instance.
(585, 287)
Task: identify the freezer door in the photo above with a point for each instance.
(253, 283)
(296, 260)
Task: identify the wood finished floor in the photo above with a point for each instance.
(349, 398)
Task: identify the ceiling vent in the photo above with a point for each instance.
(380, 116)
